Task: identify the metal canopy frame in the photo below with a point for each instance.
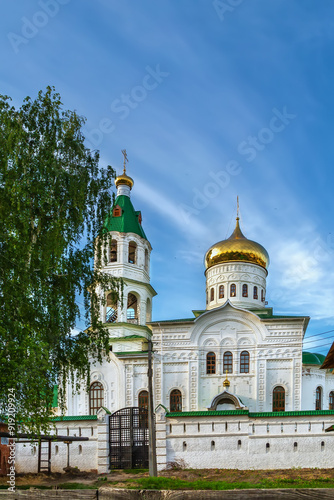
(44, 452)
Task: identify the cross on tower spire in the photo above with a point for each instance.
(125, 161)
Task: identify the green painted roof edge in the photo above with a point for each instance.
(198, 312)
(206, 413)
(128, 325)
(186, 320)
(277, 316)
(127, 222)
(74, 417)
(300, 413)
(147, 285)
(129, 337)
(130, 353)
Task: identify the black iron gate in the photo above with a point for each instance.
(128, 438)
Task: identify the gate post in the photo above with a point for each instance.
(161, 426)
(102, 441)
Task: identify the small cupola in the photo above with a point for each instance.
(124, 183)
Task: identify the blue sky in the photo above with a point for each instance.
(211, 99)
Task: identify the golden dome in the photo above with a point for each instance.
(124, 179)
(237, 248)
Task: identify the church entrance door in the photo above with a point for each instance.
(128, 438)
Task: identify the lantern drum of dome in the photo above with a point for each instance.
(236, 270)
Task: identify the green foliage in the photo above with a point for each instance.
(53, 196)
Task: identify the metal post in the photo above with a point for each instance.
(152, 453)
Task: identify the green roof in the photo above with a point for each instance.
(76, 417)
(183, 320)
(131, 353)
(128, 222)
(206, 413)
(133, 326)
(128, 337)
(209, 413)
(310, 358)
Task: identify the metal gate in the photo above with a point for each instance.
(128, 438)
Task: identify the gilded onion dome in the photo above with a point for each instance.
(237, 248)
(124, 179)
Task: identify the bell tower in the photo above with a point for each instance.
(127, 256)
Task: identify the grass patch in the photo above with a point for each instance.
(165, 483)
(135, 471)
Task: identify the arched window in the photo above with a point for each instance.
(148, 310)
(111, 312)
(245, 290)
(96, 398)
(318, 398)
(210, 363)
(331, 400)
(233, 290)
(212, 294)
(143, 400)
(132, 309)
(146, 259)
(175, 400)
(262, 295)
(117, 211)
(113, 251)
(221, 291)
(132, 252)
(228, 362)
(244, 362)
(255, 295)
(279, 399)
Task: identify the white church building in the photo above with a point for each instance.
(232, 386)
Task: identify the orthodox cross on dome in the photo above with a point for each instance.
(125, 161)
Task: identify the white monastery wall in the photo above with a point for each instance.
(83, 454)
(243, 442)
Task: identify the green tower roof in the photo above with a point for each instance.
(128, 221)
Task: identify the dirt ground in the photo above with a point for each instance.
(119, 477)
